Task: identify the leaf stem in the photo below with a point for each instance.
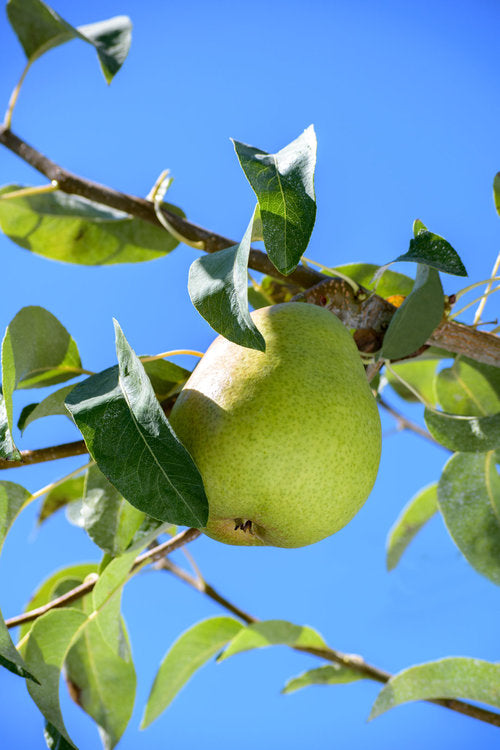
(14, 96)
(479, 311)
(407, 385)
(481, 298)
(354, 286)
(172, 353)
(158, 193)
(37, 190)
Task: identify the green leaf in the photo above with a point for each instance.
(418, 316)
(12, 499)
(284, 186)
(51, 406)
(469, 388)
(131, 440)
(190, 652)
(109, 520)
(71, 229)
(101, 678)
(413, 517)
(60, 496)
(433, 251)
(329, 674)
(55, 585)
(453, 677)
(7, 446)
(218, 289)
(54, 739)
(49, 641)
(467, 434)
(496, 192)
(419, 373)
(166, 377)
(39, 29)
(36, 351)
(273, 633)
(469, 500)
(388, 284)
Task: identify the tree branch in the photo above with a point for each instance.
(406, 424)
(143, 209)
(151, 555)
(351, 661)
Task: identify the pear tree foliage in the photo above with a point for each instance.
(139, 481)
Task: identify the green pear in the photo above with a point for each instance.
(288, 440)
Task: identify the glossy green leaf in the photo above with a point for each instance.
(7, 446)
(496, 192)
(131, 440)
(52, 405)
(329, 674)
(284, 185)
(218, 289)
(71, 229)
(434, 251)
(419, 373)
(413, 517)
(469, 500)
(101, 678)
(469, 388)
(59, 497)
(273, 633)
(467, 434)
(388, 284)
(109, 520)
(418, 316)
(39, 29)
(166, 377)
(190, 652)
(49, 641)
(453, 677)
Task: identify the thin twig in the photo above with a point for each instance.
(407, 424)
(152, 555)
(351, 661)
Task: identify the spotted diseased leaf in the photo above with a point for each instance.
(469, 501)
(218, 289)
(284, 185)
(413, 517)
(190, 652)
(434, 251)
(452, 677)
(131, 440)
(39, 29)
(71, 229)
(418, 316)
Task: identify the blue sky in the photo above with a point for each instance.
(405, 101)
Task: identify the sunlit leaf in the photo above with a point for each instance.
(49, 641)
(218, 289)
(419, 373)
(329, 674)
(131, 440)
(387, 285)
(284, 185)
(273, 633)
(469, 500)
(469, 388)
(433, 251)
(39, 29)
(60, 496)
(75, 230)
(418, 316)
(190, 652)
(412, 518)
(453, 677)
(51, 406)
